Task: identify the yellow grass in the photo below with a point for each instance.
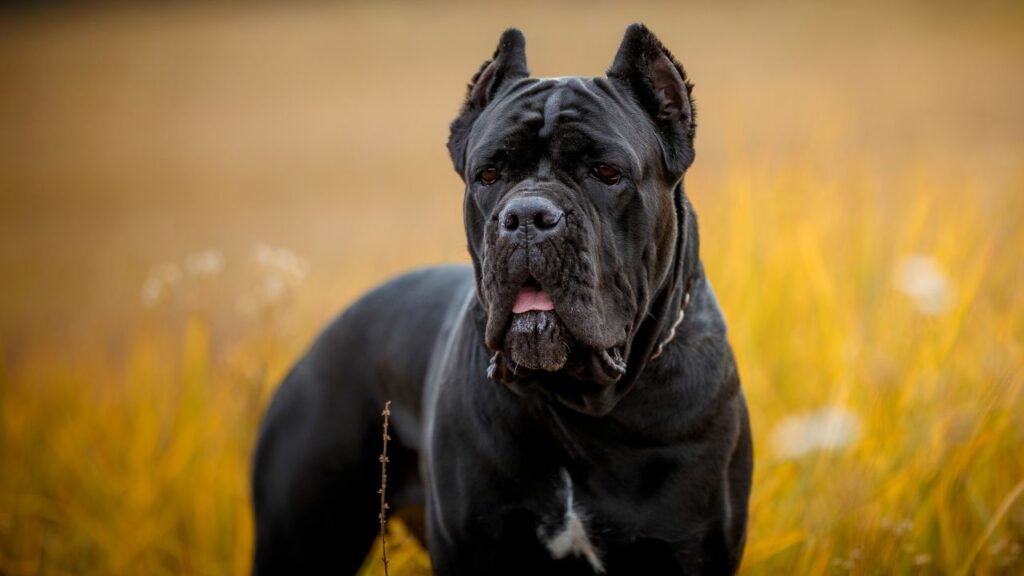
(861, 197)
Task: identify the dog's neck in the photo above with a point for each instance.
(688, 261)
(672, 331)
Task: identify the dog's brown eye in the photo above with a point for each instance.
(607, 174)
(488, 176)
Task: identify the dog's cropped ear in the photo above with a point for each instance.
(659, 84)
(507, 64)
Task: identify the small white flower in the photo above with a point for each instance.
(159, 283)
(152, 292)
(204, 264)
(282, 263)
(826, 429)
(278, 273)
(921, 278)
(274, 289)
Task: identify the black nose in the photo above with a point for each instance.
(533, 215)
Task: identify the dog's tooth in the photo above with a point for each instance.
(615, 364)
(495, 366)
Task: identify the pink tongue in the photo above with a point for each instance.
(531, 299)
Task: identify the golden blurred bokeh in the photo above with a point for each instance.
(189, 191)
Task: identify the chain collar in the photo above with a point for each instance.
(672, 331)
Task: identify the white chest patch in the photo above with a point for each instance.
(571, 537)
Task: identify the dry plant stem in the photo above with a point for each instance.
(383, 489)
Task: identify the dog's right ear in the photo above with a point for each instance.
(507, 64)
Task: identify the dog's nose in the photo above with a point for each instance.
(533, 215)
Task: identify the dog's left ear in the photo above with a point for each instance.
(507, 64)
(659, 84)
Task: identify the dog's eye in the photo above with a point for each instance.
(488, 176)
(607, 174)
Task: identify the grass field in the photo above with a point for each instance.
(187, 193)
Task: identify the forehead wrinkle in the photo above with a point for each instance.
(622, 136)
(546, 106)
(515, 102)
(611, 145)
(551, 111)
(558, 107)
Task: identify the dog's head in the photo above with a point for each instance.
(575, 215)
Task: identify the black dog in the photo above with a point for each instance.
(570, 404)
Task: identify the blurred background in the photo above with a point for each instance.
(188, 192)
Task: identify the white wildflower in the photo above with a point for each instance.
(278, 273)
(905, 526)
(206, 263)
(282, 264)
(159, 283)
(921, 278)
(826, 429)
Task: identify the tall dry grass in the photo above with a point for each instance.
(859, 188)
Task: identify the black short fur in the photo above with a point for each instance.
(574, 186)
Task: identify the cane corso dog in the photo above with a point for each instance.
(567, 405)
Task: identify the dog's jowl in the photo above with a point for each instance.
(569, 404)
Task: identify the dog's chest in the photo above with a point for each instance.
(564, 530)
